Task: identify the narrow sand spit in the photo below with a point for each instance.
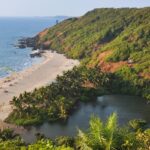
(34, 77)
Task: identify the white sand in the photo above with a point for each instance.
(34, 77)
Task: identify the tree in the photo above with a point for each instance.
(99, 135)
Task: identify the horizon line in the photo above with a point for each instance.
(64, 15)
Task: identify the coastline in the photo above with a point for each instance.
(36, 76)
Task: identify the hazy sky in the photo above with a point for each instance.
(61, 7)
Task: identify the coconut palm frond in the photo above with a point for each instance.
(82, 141)
(111, 126)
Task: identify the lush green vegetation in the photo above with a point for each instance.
(9, 140)
(126, 81)
(99, 136)
(56, 101)
(123, 34)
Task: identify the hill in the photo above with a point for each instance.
(108, 38)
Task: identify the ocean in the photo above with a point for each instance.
(13, 59)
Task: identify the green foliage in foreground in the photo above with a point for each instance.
(99, 136)
(9, 140)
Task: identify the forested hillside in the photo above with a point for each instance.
(109, 38)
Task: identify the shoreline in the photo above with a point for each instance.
(36, 76)
(10, 79)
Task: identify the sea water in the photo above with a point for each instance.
(13, 59)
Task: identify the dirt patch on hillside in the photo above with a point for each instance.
(110, 66)
(43, 33)
(114, 66)
(145, 75)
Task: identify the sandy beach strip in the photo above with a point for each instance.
(34, 77)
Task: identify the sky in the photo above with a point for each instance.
(61, 7)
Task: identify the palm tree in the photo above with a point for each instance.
(99, 136)
(110, 129)
(16, 102)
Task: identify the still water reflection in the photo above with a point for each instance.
(127, 108)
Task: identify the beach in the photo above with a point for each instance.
(36, 76)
